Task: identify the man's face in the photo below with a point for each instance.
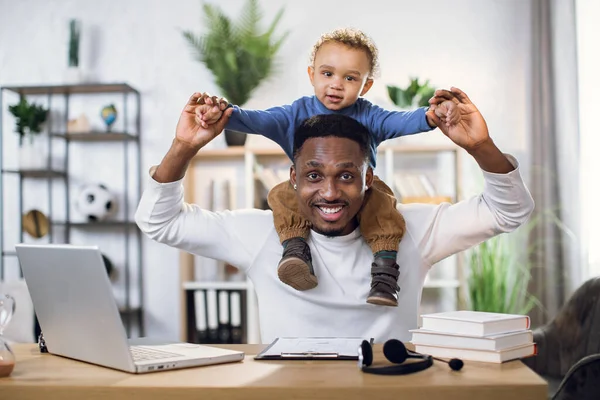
(331, 175)
(339, 75)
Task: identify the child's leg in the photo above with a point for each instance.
(382, 226)
(295, 268)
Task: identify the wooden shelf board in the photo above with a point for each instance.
(98, 224)
(426, 199)
(95, 136)
(441, 283)
(239, 151)
(420, 148)
(226, 285)
(35, 173)
(72, 89)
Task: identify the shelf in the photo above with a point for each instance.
(426, 199)
(9, 253)
(132, 310)
(437, 148)
(197, 285)
(36, 173)
(99, 224)
(96, 136)
(238, 151)
(73, 89)
(441, 283)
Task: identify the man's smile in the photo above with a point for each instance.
(330, 213)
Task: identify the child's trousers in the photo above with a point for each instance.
(381, 224)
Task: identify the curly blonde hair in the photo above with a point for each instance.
(353, 38)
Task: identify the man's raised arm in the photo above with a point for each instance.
(504, 205)
(190, 136)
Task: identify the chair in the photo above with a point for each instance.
(582, 381)
(567, 345)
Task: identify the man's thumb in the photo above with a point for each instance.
(220, 124)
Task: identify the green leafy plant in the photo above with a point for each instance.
(415, 94)
(239, 55)
(74, 34)
(499, 270)
(29, 118)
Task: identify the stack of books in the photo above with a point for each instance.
(475, 336)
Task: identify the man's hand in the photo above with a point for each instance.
(463, 123)
(214, 107)
(192, 130)
(190, 136)
(468, 130)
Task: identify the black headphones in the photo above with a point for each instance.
(395, 351)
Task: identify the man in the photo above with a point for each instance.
(331, 174)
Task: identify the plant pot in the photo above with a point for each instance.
(32, 153)
(234, 138)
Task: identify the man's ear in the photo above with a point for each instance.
(369, 178)
(311, 74)
(293, 175)
(367, 86)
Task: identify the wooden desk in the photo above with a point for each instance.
(44, 376)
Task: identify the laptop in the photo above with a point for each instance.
(78, 315)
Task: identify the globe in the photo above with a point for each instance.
(109, 115)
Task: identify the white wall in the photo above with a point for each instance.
(481, 46)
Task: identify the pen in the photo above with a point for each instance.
(310, 354)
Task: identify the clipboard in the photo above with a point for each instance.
(312, 348)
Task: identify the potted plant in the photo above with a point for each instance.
(499, 269)
(29, 120)
(414, 95)
(74, 73)
(238, 53)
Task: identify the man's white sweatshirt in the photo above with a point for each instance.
(337, 306)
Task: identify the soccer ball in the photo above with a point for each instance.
(96, 203)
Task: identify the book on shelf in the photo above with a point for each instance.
(270, 177)
(201, 317)
(212, 318)
(236, 317)
(224, 325)
(474, 323)
(417, 188)
(218, 315)
(491, 343)
(500, 356)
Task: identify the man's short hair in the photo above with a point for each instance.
(327, 125)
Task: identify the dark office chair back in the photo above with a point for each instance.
(572, 335)
(582, 381)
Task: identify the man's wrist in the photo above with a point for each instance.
(490, 158)
(175, 163)
(184, 149)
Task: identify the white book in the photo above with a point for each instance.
(498, 357)
(490, 343)
(474, 323)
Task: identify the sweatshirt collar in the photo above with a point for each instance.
(352, 236)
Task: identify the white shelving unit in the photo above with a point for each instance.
(238, 165)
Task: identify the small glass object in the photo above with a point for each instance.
(7, 357)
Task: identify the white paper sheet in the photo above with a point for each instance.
(325, 347)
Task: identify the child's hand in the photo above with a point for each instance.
(206, 98)
(210, 110)
(447, 112)
(192, 130)
(207, 115)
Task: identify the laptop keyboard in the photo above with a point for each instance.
(145, 354)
